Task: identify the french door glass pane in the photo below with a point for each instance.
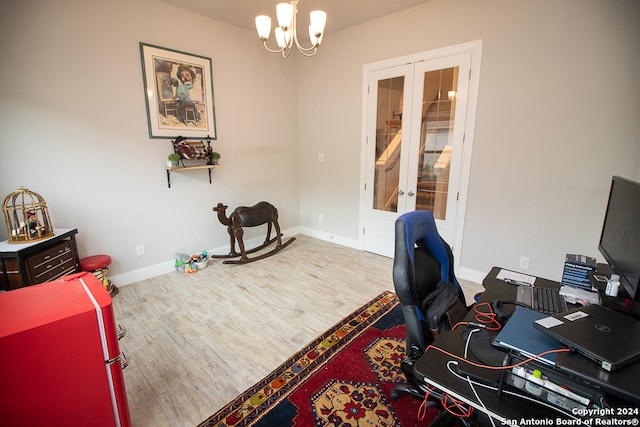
(388, 143)
(436, 140)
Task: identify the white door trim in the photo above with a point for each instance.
(475, 48)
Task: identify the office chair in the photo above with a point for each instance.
(423, 263)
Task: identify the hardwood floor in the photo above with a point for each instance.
(196, 341)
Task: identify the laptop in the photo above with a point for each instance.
(519, 335)
(544, 300)
(609, 338)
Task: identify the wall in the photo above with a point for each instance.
(556, 118)
(73, 126)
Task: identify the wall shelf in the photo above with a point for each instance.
(186, 168)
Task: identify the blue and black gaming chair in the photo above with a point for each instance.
(423, 263)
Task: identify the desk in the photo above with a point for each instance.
(432, 368)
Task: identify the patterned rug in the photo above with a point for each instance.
(343, 378)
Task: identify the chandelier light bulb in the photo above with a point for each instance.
(284, 12)
(280, 38)
(263, 25)
(318, 19)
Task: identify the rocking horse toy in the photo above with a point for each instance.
(243, 216)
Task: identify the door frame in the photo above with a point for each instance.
(473, 47)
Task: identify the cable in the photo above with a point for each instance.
(521, 396)
(484, 319)
(497, 368)
(422, 410)
(466, 344)
(473, 389)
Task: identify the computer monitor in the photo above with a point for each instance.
(620, 237)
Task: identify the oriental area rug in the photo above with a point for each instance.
(343, 378)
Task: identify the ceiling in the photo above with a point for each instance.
(341, 14)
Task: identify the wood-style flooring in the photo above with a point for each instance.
(196, 341)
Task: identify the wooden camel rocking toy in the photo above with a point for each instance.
(243, 216)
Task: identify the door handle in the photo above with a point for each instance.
(411, 193)
(400, 193)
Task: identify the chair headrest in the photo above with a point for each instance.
(420, 226)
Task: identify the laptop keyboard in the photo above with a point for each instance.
(548, 301)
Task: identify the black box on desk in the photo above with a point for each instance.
(576, 270)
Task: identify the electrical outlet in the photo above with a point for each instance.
(321, 157)
(140, 250)
(524, 262)
(320, 218)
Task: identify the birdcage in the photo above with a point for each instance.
(26, 217)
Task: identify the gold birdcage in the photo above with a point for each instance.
(26, 216)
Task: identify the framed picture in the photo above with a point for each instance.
(178, 90)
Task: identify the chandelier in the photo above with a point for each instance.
(285, 32)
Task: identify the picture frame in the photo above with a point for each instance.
(178, 89)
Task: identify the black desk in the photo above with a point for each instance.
(432, 367)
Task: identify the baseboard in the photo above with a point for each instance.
(144, 273)
(474, 276)
(169, 266)
(328, 237)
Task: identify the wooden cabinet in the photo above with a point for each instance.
(38, 262)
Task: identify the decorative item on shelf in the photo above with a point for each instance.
(173, 160)
(193, 155)
(215, 158)
(192, 150)
(26, 217)
(286, 31)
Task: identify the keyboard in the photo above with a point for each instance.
(548, 301)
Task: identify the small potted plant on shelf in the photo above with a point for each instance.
(215, 158)
(173, 159)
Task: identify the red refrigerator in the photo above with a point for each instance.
(59, 356)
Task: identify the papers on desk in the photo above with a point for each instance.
(514, 278)
(579, 296)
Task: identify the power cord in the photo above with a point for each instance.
(485, 319)
(509, 392)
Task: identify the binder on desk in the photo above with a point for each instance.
(519, 335)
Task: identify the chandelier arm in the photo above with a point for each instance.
(272, 50)
(294, 29)
(305, 51)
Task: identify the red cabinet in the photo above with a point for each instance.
(59, 356)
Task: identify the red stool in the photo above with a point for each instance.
(97, 264)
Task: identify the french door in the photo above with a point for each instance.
(416, 115)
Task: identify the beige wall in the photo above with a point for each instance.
(556, 117)
(74, 128)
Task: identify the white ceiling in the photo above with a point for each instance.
(341, 14)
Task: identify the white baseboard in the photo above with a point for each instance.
(328, 237)
(474, 276)
(144, 273)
